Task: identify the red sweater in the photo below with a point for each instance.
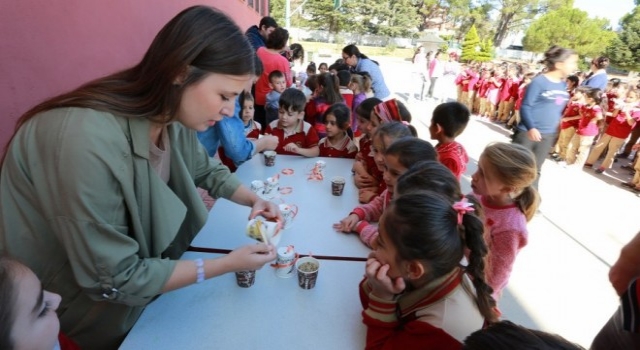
(437, 316)
(305, 137)
(453, 156)
(344, 149)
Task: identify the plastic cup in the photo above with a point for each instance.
(337, 185)
(245, 279)
(307, 268)
(285, 262)
(269, 158)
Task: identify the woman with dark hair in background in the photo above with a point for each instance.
(543, 103)
(361, 63)
(597, 78)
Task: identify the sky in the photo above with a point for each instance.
(610, 9)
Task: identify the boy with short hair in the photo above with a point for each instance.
(277, 83)
(295, 136)
(449, 121)
(344, 78)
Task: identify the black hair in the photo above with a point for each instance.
(596, 94)
(424, 226)
(342, 113)
(505, 335)
(312, 82)
(330, 88)
(574, 79)
(323, 64)
(615, 82)
(297, 52)
(405, 115)
(556, 54)
(339, 67)
(601, 62)
(277, 39)
(258, 67)
(365, 108)
(352, 50)
(293, 99)
(429, 175)
(275, 74)
(268, 22)
(453, 117)
(311, 68)
(8, 267)
(411, 150)
(344, 77)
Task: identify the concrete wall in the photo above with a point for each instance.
(50, 46)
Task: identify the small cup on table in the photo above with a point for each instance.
(307, 268)
(337, 185)
(270, 158)
(245, 279)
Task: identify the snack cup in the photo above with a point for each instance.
(337, 185)
(257, 186)
(245, 279)
(285, 262)
(271, 185)
(269, 158)
(320, 165)
(264, 231)
(289, 212)
(307, 268)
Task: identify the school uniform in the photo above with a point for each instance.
(304, 137)
(615, 135)
(344, 148)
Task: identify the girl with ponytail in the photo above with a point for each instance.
(416, 294)
(503, 185)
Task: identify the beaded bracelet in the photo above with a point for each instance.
(199, 270)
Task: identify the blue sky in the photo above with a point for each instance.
(610, 9)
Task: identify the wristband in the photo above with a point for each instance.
(199, 270)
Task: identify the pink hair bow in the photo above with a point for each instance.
(463, 207)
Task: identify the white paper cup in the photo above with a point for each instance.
(289, 212)
(260, 229)
(257, 186)
(285, 262)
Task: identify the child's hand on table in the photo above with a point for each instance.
(291, 147)
(347, 224)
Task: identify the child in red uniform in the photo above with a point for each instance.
(344, 78)
(393, 159)
(590, 115)
(481, 93)
(338, 142)
(448, 121)
(505, 95)
(418, 297)
(468, 85)
(367, 177)
(28, 312)
(326, 94)
(503, 184)
(296, 137)
(570, 121)
(515, 119)
(623, 121)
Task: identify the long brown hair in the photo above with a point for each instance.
(198, 41)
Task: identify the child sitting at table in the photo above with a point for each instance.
(338, 142)
(278, 84)
(395, 149)
(367, 177)
(27, 312)
(415, 296)
(503, 185)
(385, 112)
(295, 136)
(449, 121)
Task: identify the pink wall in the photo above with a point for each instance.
(49, 47)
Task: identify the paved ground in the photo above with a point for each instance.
(559, 283)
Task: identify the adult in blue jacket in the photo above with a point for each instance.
(258, 35)
(543, 103)
(598, 76)
(361, 63)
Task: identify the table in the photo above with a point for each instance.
(311, 231)
(272, 314)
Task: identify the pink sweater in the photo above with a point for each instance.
(371, 211)
(506, 234)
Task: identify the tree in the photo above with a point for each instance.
(624, 50)
(322, 15)
(571, 28)
(276, 10)
(395, 18)
(470, 45)
(487, 51)
(515, 14)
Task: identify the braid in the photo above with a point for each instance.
(472, 229)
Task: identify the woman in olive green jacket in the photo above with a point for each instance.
(98, 185)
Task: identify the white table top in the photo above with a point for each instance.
(311, 231)
(272, 314)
